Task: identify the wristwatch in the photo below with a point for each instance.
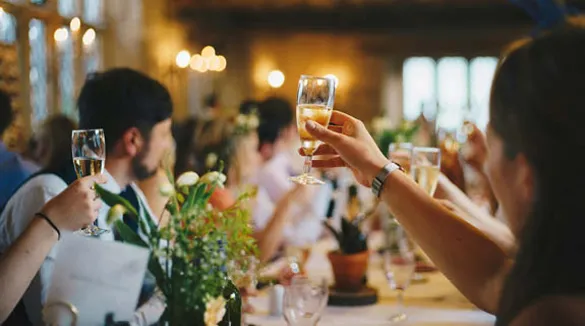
(378, 182)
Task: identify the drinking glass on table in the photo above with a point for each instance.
(399, 266)
(315, 99)
(88, 148)
(401, 154)
(304, 301)
(426, 167)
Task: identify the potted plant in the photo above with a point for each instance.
(192, 256)
(350, 261)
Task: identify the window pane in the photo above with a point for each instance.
(7, 28)
(68, 8)
(67, 76)
(92, 11)
(451, 92)
(482, 71)
(38, 70)
(419, 86)
(92, 56)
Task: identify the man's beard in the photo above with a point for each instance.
(140, 170)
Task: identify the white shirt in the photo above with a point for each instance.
(273, 183)
(19, 212)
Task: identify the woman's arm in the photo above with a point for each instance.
(475, 263)
(72, 209)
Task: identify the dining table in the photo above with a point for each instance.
(430, 301)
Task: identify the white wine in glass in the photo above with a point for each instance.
(426, 167)
(88, 148)
(315, 100)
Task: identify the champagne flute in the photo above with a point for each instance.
(315, 99)
(399, 266)
(304, 301)
(88, 148)
(426, 167)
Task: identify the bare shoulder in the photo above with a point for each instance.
(553, 310)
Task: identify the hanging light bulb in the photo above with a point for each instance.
(182, 59)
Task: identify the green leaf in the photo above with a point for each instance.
(112, 199)
(128, 235)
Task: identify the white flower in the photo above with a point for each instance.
(253, 121)
(241, 120)
(213, 178)
(380, 124)
(210, 160)
(115, 213)
(167, 189)
(214, 311)
(187, 179)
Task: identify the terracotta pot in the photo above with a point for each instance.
(349, 270)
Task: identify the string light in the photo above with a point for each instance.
(208, 52)
(208, 61)
(182, 59)
(88, 37)
(75, 24)
(61, 34)
(275, 78)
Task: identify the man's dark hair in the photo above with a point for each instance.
(210, 101)
(248, 106)
(6, 114)
(275, 115)
(122, 98)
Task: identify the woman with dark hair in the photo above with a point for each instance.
(533, 138)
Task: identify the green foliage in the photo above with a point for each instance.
(191, 256)
(402, 134)
(350, 238)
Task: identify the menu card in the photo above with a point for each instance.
(93, 278)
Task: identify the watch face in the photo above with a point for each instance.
(38, 2)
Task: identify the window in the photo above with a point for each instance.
(67, 75)
(92, 11)
(38, 70)
(450, 89)
(91, 52)
(68, 8)
(7, 28)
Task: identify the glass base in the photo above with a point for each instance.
(398, 317)
(91, 231)
(306, 179)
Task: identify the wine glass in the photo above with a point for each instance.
(304, 301)
(426, 167)
(399, 266)
(315, 99)
(401, 154)
(88, 148)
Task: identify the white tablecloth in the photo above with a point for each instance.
(434, 303)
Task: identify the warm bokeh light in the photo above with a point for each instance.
(75, 24)
(208, 51)
(197, 62)
(275, 78)
(61, 34)
(88, 37)
(214, 63)
(182, 59)
(335, 79)
(222, 63)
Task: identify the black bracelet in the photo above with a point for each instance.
(46, 218)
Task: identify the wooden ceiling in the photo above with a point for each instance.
(353, 15)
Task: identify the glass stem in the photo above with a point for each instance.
(400, 301)
(308, 164)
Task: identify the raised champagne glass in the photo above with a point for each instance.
(426, 167)
(88, 148)
(315, 99)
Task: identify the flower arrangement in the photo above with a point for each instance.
(245, 123)
(385, 135)
(192, 255)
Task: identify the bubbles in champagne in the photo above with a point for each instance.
(321, 114)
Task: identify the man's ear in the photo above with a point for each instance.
(132, 142)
